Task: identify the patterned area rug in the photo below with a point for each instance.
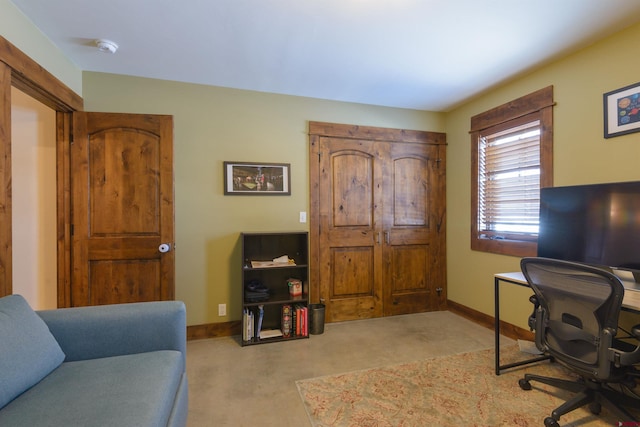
(460, 390)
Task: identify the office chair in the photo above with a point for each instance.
(576, 322)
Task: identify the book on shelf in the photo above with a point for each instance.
(286, 320)
(294, 321)
(304, 321)
(297, 316)
(299, 324)
(260, 317)
(247, 324)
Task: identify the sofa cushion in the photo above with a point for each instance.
(28, 351)
(130, 390)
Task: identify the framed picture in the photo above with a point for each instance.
(622, 111)
(264, 179)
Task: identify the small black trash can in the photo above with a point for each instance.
(316, 319)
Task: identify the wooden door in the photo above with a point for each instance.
(377, 220)
(122, 208)
(413, 230)
(350, 217)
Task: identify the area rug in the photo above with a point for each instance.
(459, 390)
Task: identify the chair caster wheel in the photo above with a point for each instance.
(524, 384)
(595, 408)
(551, 422)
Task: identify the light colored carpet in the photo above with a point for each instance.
(459, 390)
(234, 386)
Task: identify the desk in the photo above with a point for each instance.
(630, 302)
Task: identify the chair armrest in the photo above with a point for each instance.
(111, 330)
(628, 353)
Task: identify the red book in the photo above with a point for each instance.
(305, 328)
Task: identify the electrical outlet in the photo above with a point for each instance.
(222, 309)
(303, 217)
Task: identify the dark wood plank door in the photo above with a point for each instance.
(350, 218)
(122, 208)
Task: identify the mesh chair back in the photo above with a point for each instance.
(578, 314)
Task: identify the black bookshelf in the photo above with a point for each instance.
(258, 270)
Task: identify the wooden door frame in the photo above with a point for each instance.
(335, 130)
(20, 71)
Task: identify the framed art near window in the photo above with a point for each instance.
(249, 178)
(622, 111)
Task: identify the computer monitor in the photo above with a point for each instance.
(597, 224)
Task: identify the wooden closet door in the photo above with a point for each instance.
(413, 200)
(377, 220)
(350, 258)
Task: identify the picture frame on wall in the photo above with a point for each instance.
(622, 111)
(257, 179)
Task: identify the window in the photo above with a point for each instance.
(509, 181)
(511, 160)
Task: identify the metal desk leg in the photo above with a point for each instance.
(496, 290)
(496, 293)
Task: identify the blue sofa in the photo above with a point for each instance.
(113, 365)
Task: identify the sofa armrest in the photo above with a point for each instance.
(111, 330)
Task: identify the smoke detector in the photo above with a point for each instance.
(106, 46)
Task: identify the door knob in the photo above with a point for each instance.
(165, 247)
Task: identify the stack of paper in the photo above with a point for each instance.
(282, 261)
(270, 333)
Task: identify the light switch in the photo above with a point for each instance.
(303, 217)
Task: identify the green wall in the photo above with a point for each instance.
(211, 125)
(581, 155)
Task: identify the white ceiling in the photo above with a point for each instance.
(418, 54)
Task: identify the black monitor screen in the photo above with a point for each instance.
(596, 224)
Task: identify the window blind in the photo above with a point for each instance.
(509, 182)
